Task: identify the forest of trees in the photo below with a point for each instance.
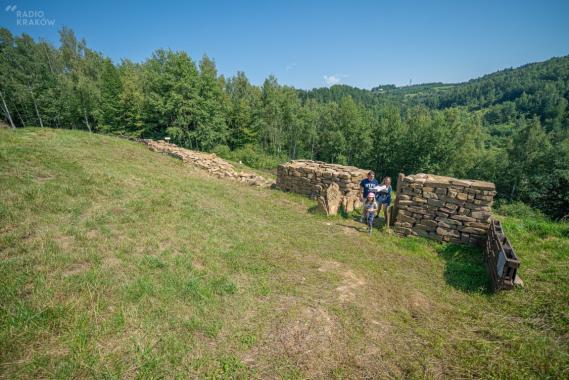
(510, 127)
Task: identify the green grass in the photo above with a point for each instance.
(117, 262)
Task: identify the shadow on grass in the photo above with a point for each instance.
(315, 210)
(465, 269)
(362, 228)
(378, 221)
(341, 213)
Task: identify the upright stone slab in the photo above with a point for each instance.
(331, 200)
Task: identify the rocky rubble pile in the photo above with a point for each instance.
(208, 162)
(444, 208)
(312, 178)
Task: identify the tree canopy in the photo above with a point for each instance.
(510, 127)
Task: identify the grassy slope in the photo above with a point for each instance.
(118, 262)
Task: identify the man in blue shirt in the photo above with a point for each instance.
(368, 184)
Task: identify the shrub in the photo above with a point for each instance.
(250, 155)
(222, 151)
(531, 222)
(518, 210)
(256, 158)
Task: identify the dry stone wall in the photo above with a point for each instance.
(444, 208)
(436, 207)
(209, 162)
(312, 178)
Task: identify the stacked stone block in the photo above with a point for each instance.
(312, 178)
(444, 208)
(209, 162)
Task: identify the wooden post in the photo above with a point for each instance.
(400, 179)
(388, 212)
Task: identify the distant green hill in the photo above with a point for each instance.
(117, 262)
(535, 89)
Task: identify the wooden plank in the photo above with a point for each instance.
(500, 258)
(398, 188)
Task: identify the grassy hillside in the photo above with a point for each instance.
(116, 262)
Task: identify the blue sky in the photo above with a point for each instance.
(310, 44)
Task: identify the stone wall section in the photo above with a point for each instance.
(312, 178)
(209, 162)
(444, 208)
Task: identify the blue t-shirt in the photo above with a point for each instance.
(368, 185)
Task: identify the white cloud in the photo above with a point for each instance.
(332, 79)
(290, 66)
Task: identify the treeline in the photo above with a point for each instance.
(435, 128)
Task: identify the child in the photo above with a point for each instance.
(370, 208)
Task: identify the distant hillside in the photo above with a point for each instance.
(538, 89)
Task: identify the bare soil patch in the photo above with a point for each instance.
(350, 286)
(74, 269)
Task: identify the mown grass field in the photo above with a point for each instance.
(117, 262)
